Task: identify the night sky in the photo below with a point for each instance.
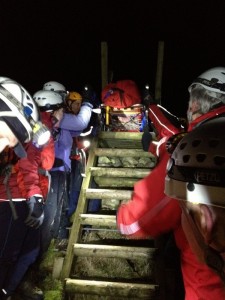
(61, 41)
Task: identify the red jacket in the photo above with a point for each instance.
(151, 213)
(26, 179)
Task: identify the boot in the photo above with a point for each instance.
(61, 244)
(28, 291)
(4, 295)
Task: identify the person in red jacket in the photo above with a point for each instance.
(22, 193)
(152, 213)
(195, 175)
(19, 118)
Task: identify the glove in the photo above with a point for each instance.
(147, 101)
(36, 211)
(146, 139)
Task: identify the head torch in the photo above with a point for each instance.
(41, 134)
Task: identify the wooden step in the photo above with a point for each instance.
(134, 136)
(108, 194)
(98, 220)
(119, 182)
(109, 288)
(88, 250)
(128, 140)
(119, 172)
(122, 152)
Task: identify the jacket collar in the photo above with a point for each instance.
(211, 114)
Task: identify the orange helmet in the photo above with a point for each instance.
(73, 102)
(73, 96)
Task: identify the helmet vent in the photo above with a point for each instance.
(219, 160)
(195, 143)
(200, 157)
(183, 145)
(186, 158)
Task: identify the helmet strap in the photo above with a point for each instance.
(69, 106)
(212, 83)
(24, 110)
(12, 99)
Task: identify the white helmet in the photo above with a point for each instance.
(212, 80)
(18, 110)
(196, 170)
(54, 86)
(48, 100)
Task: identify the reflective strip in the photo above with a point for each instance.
(160, 142)
(14, 199)
(129, 229)
(152, 213)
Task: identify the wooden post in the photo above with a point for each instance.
(104, 63)
(158, 82)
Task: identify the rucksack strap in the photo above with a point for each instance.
(8, 172)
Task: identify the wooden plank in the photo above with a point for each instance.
(119, 172)
(115, 182)
(89, 250)
(158, 80)
(82, 203)
(125, 144)
(123, 152)
(108, 194)
(57, 267)
(120, 135)
(104, 63)
(98, 220)
(113, 289)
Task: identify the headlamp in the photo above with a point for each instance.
(41, 134)
(86, 143)
(147, 87)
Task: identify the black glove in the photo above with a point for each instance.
(36, 211)
(146, 138)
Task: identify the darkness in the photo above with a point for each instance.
(61, 41)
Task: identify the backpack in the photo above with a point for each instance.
(122, 94)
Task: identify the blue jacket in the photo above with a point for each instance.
(69, 127)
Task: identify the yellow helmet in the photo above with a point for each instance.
(73, 96)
